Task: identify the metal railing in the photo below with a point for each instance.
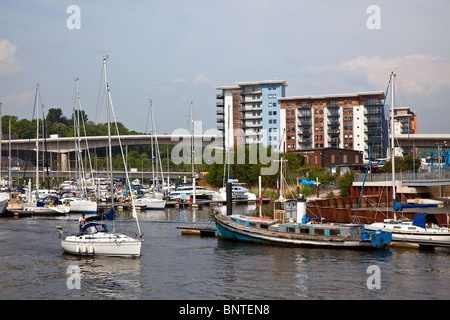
(408, 175)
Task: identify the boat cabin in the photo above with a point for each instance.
(285, 210)
(92, 228)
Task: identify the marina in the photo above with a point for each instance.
(174, 266)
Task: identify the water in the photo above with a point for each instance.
(178, 267)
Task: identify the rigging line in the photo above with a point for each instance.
(134, 214)
(371, 151)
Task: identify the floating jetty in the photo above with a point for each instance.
(198, 230)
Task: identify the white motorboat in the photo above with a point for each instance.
(238, 192)
(151, 203)
(423, 231)
(44, 208)
(185, 192)
(80, 205)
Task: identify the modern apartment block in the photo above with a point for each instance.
(346, 121)
(405, 122)
(258, 109)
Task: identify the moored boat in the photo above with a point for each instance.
(291, 227)
(423, 231)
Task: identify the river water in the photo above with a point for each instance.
(179, 267)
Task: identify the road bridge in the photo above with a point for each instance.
(422, 140)
(66, 145)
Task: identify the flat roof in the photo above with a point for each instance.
(228, 87)
(250, 83)
(349, 95)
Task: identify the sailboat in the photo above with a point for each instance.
(154, 200)
(424, 231)
(97, 238)
(291, 226)
(35, 205)
(79, 204)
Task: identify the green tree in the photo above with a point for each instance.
(345, 183)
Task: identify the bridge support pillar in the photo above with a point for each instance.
(63, 164)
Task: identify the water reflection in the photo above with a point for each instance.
(107, 277)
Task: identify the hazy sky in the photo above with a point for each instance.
(175, 52)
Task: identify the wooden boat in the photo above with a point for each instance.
(291, 227)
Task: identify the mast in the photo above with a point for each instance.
(192, 139)
(109, 132)
(1, 137)
(392, 136)
(151, 144)
(37, 140)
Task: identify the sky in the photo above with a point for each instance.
(175, 52)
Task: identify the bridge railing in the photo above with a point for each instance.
(409, 175)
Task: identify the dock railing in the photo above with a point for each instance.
(409, 175)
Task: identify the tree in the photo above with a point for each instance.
(402, 164)
(55, 115)
(345, 183)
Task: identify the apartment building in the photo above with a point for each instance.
(405, 122)
(345, 121)
(256, 113)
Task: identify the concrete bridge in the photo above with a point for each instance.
(422, 140)
(64, 146)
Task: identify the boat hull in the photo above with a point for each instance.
(152, 203)
(82, 206)
(111, 245)
(233, 231)
(418, 238)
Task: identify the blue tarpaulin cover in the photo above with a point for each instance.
(423, 218)
(108, 216)
(308, 183)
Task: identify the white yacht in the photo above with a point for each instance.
(423, 231)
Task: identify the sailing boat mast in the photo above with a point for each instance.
(392, 136)
(109, 132)
(192, 139)
(151, 144)
(37, 138)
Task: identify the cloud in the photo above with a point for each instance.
(17, 100)
(9, 63)
(179, 80)
(202, 78)
(416, 73)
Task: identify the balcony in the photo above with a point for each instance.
(303, 131)
(373, 110)
(376, 102)
(372, 120)
(303, 114)
(219, 104)
(332, 122)
(333, 130)
(305, 123)
(219, 120)
(220, 112)
(219, 96)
